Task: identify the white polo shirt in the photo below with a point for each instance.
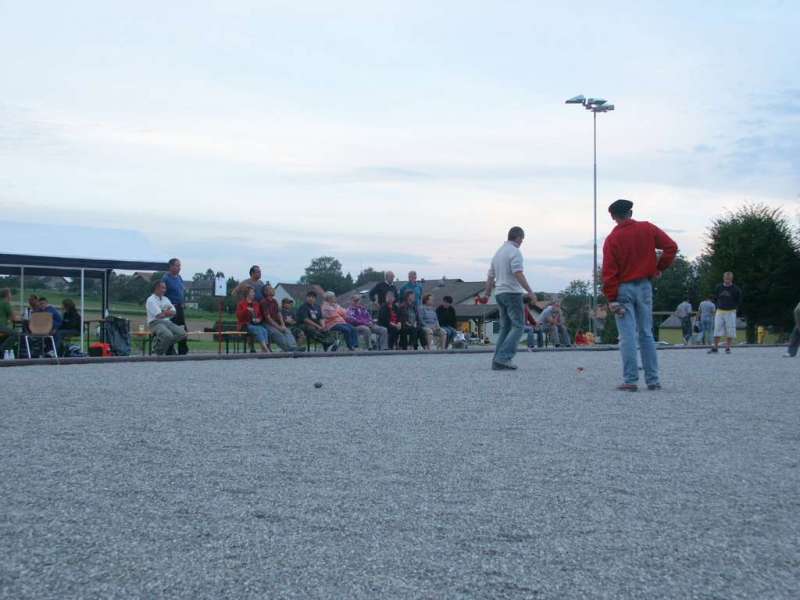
(507, 261)
(155, 306)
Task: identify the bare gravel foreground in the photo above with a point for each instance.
(402, 477)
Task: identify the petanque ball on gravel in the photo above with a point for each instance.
(318, 385)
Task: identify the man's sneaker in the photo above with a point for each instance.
(653, 386)
(787, 355)
(713, 351)
(727, 350)
(496, 366)
(628, 387)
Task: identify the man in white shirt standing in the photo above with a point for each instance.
(159, 312)
(506, 277)
(684, 313)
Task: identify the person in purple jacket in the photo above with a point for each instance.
(358, 316)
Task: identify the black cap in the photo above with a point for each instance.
(620, 207)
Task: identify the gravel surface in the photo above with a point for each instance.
(402, 477)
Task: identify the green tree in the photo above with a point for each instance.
(676, 284)
(326, 272)
(576, 305)
(369, 275)
(758, 245)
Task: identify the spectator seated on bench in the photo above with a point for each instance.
(159, 312)
(335, 319)
(290, 320)
(447, 318)
(250, 318)
(430, 324)
(309, 317)
(70, 324)
(358, 316)
(389, 318)
(278, 331)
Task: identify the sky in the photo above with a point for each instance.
(391, 135)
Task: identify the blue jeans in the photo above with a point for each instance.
(707, 327)
(637, 324)
(350, 334)
(512, 323)
(535, 336)
(451, 334)
(259, 332)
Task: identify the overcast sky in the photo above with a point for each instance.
(388, 134)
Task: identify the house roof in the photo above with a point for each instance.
(298, 291)
(459, 289)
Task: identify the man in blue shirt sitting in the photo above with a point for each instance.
(176, 292)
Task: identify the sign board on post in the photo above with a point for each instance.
(220, 291)
(220, 287)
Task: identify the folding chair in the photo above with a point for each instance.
(40, 327)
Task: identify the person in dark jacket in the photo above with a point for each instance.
(378, 293)
(70, 323)
(447, 318)
(389, 318)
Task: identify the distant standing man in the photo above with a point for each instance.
(794, 340)
(728, 297)
(254, 282)
(378, 293)
(629, 266)
(706, 312)
(176, 294)
(507, 278)
(684, 313)
(412, 285)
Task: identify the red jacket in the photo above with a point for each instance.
(629, 253)
(244, 317)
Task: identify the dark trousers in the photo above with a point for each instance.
(794, 342)
(179, 319)
(394, 334)
(410, 336)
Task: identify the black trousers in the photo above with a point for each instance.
(179, 319)
(394, 334)
(410, 336)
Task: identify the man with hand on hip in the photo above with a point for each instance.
(629, 266)
(508, 280)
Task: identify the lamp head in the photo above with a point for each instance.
(576, 100)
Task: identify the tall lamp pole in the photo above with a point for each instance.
(595, 105)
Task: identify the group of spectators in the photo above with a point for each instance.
(404, 318)
(66, 323)
(388, 319)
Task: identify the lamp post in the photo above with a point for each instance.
(595, 105)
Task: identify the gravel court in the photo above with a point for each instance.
(404, 477)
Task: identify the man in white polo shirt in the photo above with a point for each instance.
(506, 277)
(159, 312)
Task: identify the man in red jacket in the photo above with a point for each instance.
(629, 266)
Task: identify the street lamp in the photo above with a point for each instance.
(596, 105)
